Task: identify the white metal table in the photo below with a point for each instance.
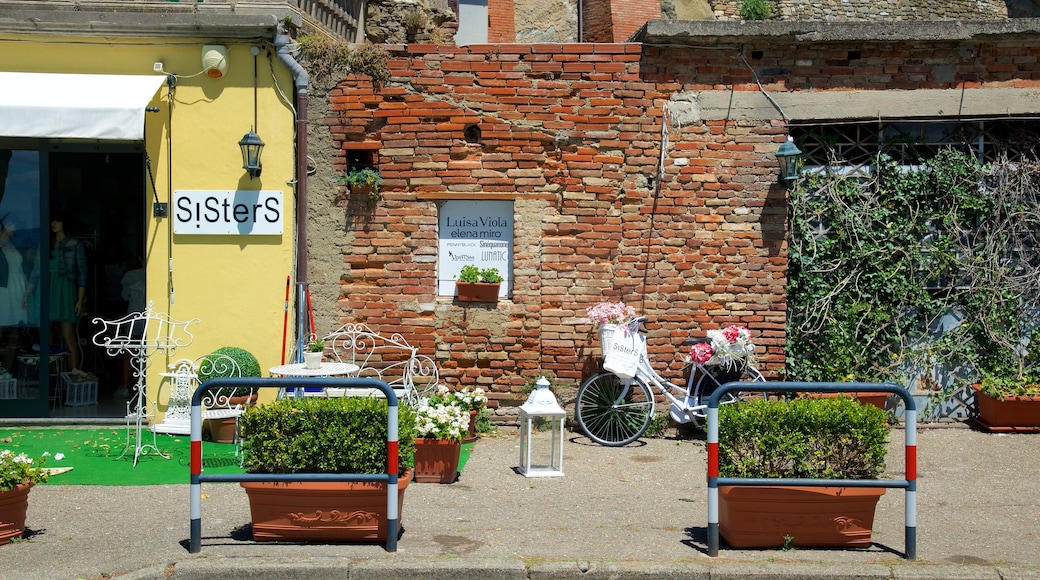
(326, 369)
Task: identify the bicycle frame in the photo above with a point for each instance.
(684, 401)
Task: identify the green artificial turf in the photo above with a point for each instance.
(93, 455)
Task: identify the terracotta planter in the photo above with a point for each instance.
(472, 425)
(13, 505)
(321, 511)
(879, 400)
(476, 292)
(223, 430)
(1019, 413)
(436, 460)
(814, 517)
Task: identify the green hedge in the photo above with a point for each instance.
(829, 438)
(316, 435)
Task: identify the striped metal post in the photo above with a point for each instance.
(391, 472)
(911, 479)
(195, 464)
(713, 480)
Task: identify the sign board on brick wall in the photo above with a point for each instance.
(228, 212)
(474, 232)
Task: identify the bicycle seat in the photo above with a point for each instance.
(693, 341)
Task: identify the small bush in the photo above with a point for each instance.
(757, 9)
(214, 366)
(314, 435)
(829, 438)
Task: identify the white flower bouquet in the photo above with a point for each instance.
(729, 348)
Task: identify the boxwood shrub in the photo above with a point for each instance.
(829, 438)
(317, 435)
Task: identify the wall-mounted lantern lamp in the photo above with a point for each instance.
(251, 147)
(548, 462)
(788, 155)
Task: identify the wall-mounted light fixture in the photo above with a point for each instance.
(251, 143)
(788, 155)
(214, 60)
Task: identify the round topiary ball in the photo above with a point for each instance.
(247, 364)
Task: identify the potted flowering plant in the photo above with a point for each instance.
(18, 473)
(440, 426)
(611, 318)
(471, 401)
(727, 352)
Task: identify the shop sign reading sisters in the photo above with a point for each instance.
(227, 212)
(474, 232)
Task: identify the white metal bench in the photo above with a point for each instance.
(387, 358)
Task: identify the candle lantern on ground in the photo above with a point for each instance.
(541, 406)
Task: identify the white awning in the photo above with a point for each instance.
(75, 106)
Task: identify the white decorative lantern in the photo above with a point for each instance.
(541, 403)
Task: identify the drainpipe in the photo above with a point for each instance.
(281, 43)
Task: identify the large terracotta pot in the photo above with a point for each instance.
(13, 505)
(436, 460)
(879, 400)
(477, 291)
(1019, 413)
(325, 511)
(816, 517)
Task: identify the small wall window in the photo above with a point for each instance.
(478, 233)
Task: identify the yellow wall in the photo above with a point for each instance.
(235, 285)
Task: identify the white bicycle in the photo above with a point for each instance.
(616, 411)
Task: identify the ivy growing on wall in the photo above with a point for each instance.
(902, 268)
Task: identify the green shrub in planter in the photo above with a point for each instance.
(315, 435)
(210, 367)
(829, 438)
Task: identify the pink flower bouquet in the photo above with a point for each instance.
(730, 347)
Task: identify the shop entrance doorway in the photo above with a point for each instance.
(95, 199)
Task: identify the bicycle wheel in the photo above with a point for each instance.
(612, 414)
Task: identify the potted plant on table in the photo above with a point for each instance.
(315, 435)
(834, 438)
(18, 474)
(314, 353)
(475, 284)
(440, 427)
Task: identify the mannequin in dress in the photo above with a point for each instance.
(68, 268)
(14, 294)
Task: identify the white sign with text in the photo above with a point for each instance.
(474, 232)
(228, 212)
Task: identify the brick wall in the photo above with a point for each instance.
(571, 133)
(501, 27)
(616, 20)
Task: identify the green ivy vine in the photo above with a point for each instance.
(877, 261)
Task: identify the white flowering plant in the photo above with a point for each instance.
(18, 468)
(610, 313)
(729, 348)
(435, 420)
(466, 399)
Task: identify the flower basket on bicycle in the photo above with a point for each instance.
(613, 409)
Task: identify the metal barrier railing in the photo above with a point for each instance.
(909, 484)
(197, 477)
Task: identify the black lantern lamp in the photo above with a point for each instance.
(788, 155)
(251, 147)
